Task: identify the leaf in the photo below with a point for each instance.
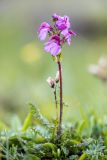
(27, 122)
(31, 157)
(81, 126)
(83, 156)
(38, 116)
(50, 145)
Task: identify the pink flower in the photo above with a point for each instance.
(68, 36)
(58, 34)
(43, 30)
(61, 23)
(53, 45)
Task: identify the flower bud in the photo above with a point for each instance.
(51, 82)
(57, 77)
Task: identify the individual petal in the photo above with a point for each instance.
(68, 36)
(72, 33)
(69, 41)
(44, 25)
(43, 30)
(43, 34)
(55, 49)
(65, 32)
(53, 45)
(48, 46)
(66, 19)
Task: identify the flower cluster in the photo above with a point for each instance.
(59, 34)
(99, 69)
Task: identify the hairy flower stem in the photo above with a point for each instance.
(61, 100)
(56, 103)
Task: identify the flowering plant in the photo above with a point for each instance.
(59, 34)
(36, 138)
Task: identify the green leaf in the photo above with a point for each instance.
(81, 127)
(83, 156)
(27, 121)
(31, 157)
(38, 116)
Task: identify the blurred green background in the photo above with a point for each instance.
(24, 66)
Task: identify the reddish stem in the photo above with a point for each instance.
(61, 99)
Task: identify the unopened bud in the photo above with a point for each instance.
(51, 82)
(57, 77)
(55, 17)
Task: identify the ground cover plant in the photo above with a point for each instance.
(41, 139)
